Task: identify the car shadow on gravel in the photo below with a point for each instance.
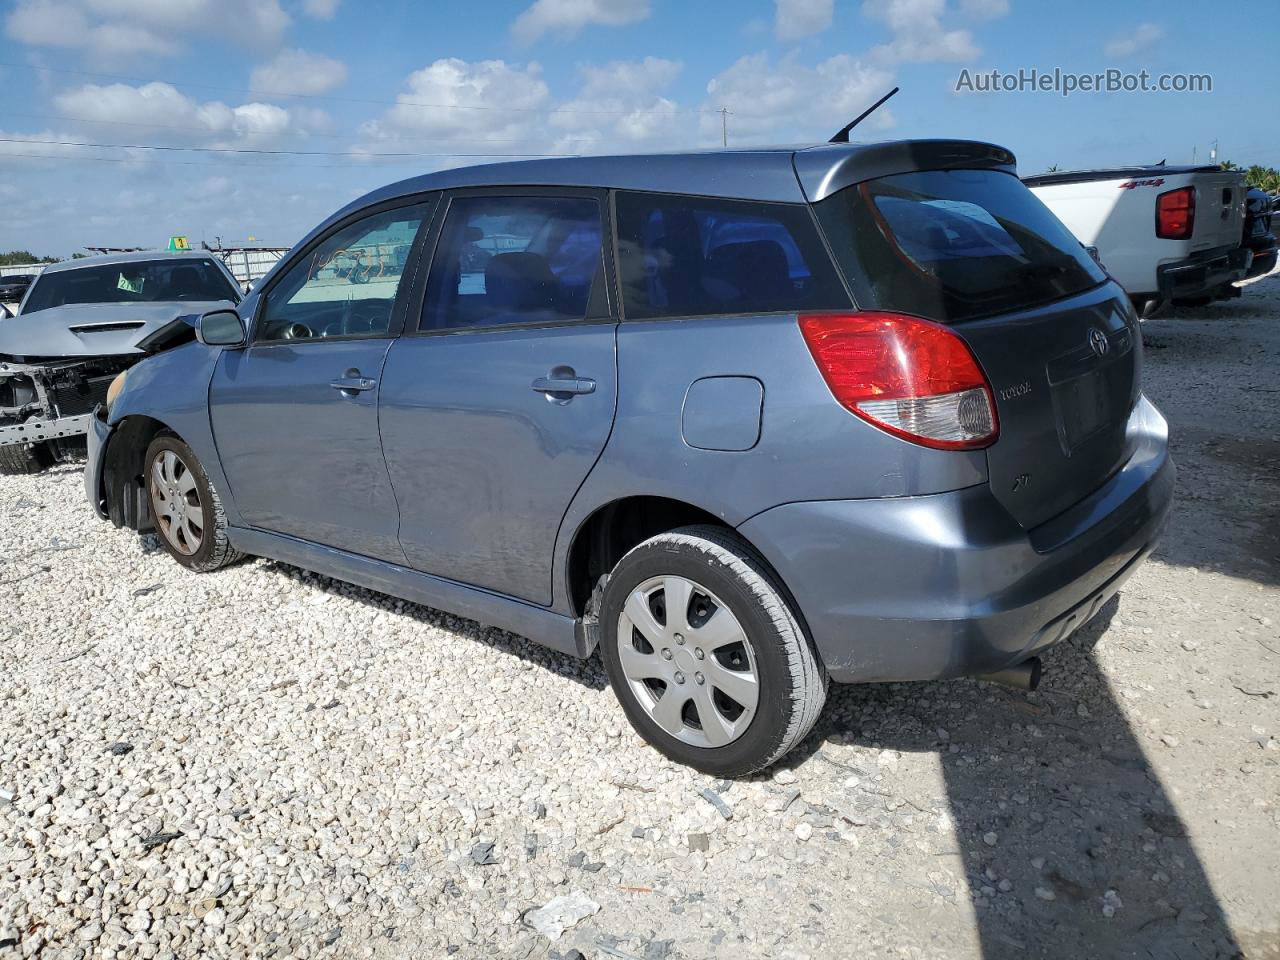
(590, 672)
(1071, 845)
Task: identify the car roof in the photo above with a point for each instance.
(779, 174)
(787, 174)
(1119, 173)
(130, 257)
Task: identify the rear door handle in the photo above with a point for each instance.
(350, 384)
(565, 385)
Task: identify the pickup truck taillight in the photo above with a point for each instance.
(912, 378)
(1176, 214)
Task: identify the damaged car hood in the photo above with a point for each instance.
(94, 329)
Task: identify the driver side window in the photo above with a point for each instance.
(346, 286)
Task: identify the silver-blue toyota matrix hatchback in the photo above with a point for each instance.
(748, 421)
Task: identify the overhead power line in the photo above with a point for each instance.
(274, 153)
(205, 131)
(222, 165)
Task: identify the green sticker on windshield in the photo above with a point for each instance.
(133, 286)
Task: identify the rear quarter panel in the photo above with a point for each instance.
(808, 446)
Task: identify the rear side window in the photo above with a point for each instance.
(509, 260)
(952, 245)
(695, 256)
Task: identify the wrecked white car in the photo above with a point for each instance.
(81, 324)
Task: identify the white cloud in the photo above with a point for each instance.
(298, 72)
(918, 33)
(568, 17)
(791, 100)
(53, 23)
(1144, 35)
(492, 108)
(619, 108)
(176, 117)
(320, 9)
(795, 19)
(116, 29)
(984, 9)
(456, 103)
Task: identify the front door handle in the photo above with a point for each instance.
(571, 386)
(353, 383)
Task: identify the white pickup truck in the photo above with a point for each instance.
(1164, 232)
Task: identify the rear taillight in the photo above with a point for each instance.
(1176, 214)
(910, 377)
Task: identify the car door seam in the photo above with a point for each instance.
(377, 420)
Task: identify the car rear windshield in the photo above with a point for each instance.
(698, 256)
(134, 281)
(952, 245)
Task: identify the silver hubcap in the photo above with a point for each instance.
(175, 501)
(688, 661)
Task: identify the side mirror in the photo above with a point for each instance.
(221, 328)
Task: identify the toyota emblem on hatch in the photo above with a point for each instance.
(1098, 342)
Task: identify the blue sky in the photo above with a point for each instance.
(351, 81)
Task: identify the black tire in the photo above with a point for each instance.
(214, 550)
(792, 683)
(25, 458)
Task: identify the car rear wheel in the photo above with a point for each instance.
(705, 655)
(185, 508)
(23, 458)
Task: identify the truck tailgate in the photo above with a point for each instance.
(1219, 220)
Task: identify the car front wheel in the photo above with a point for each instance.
(185, 508)
(705, 655)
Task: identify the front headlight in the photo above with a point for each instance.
(113, 391)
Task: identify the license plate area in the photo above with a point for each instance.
(1083, 407)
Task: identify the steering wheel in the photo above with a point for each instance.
(366, 318)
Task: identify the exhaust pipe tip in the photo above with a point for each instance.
(1021, 676)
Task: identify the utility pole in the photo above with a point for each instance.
(724, 126)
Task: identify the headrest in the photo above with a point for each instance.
(756, 268)
(519, 281)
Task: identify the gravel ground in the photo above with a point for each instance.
(263, 762)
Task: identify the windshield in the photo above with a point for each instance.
(137, 281)
(951, 245)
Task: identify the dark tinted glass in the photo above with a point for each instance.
(347, 285)
(506, 260)
(137, 281)
(952, 245)
(693, 256)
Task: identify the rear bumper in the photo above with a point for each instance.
(921, 588)
(1202, 273)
